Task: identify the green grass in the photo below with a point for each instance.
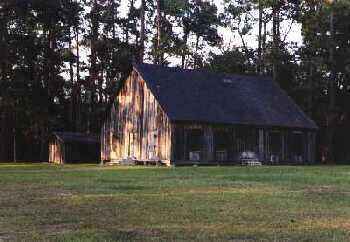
(93, 203)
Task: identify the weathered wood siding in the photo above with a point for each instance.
(55, 152)
(106, 140)
(136, 127)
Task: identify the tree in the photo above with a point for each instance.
(200, 20)
(35, 33)
(232, 61)
(328, 43)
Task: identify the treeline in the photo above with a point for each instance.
(61, 60)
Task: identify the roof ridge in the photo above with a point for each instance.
(203, 70)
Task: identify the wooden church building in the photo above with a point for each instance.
(180, 116)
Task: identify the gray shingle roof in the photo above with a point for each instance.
(193, 95)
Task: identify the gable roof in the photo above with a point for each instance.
(76, 137)
(201, 96)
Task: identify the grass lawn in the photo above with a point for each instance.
(93, 203)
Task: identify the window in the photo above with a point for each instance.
(195, 139)
(222, 143)
(275, 142)
(275, 146)
(195, 144)
(297, 143)
(246, 139)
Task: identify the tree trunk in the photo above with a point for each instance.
(332, 80)
(132, 3)
(76, 87)
(114, 10)
(93, 68)
(195, 64)
(310, 91)
(158, 43)
(142, 31)
(94, 38)
(183, 55)
(71, 77)
(260, 38)
(50, 73)
(333, 65)
(4, 67)
(276, 39)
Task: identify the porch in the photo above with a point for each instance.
(213, 144)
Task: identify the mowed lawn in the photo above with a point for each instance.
(94, 203)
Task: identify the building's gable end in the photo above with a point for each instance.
(148, 86)
(138, 128)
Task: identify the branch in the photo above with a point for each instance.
(287, 33)
(241, 36)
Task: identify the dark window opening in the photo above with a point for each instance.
(246, 139)
(179, 143)
(222, 142)
(195, 144)
(275, 143)
(296, 144)
(275, 146)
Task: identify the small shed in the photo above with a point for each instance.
(68, 147)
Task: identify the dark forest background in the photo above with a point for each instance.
(61, 60)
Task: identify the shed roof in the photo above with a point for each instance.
(76, 137)
(201, 96)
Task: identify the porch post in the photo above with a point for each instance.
(173, 145)
(283, 136)
(261, 145)
(311, 147)
(185, 150)
(209, 143)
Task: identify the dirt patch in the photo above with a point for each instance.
(138, 234)
(321, 190)
(56, 229)
(243, 239)
(326, 224)
(237, 188)
(5, 237)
